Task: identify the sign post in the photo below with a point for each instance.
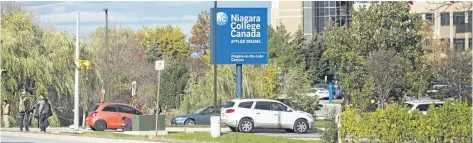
(133, 92)
(159, 67)
(243, 32)
(242, 39)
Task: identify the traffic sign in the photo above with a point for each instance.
(242, 35)
(159, 65)
(133, 88)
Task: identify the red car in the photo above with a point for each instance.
(109, 115)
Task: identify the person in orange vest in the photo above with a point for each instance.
(6, 113)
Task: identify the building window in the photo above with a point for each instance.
(430, 17)
(445, 19)
(459, 44)
(459, 18)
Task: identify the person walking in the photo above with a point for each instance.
(138, 106)
(36, 113)
(24, 108)
(154, 108)
(6, 113)
(44, 113)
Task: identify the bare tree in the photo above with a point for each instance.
(12, 6)
(387, 69)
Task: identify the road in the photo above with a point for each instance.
(311, 135)
(328, 108)
(49, 138)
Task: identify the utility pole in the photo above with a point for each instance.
(215, 118)
(1, 42)
(76, 80)
(107, 53)
(159, 67)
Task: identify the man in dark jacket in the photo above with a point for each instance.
(154, 108)
(44, 110)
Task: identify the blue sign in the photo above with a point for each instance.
(242, 35)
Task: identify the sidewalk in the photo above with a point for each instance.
(8, 136)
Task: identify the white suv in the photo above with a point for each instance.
(247, 114)
(422, 105)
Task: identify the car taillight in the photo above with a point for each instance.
(94, 114)
(229, 110)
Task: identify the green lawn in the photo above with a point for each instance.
(336, 102)
(198, 137)
(321, 123)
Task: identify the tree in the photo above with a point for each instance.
(311, 53)
(174, 80)
(129, 63)
(380, 27)
(199, 39)
(386, 68)
(170, 40)
(281, 51)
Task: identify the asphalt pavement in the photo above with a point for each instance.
(21, 137)
(327, 109)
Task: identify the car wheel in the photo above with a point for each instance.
(233, 129)
(100, 125)
(289, 130)
(301, 126)
(246, 125)
(92, 128)
(189, 122)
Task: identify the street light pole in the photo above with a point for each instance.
(215, 118)
(76, 80)
(107, 85)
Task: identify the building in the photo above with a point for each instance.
(310, 16)
(452, 22)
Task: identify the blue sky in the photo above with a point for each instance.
(127, 14)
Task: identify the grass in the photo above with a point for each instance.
(336, 102)
(321, 123)
(197, 137)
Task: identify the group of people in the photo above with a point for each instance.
(41, 111)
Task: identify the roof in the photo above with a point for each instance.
(253, 99)
(428, 101)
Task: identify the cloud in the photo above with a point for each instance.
(99, 17)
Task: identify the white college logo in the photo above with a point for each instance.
(222, 18)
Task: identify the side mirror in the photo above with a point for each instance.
(288, 109)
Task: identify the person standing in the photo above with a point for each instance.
(6, 113)
(138, 106)
(44, 113)
(24, 108)
(155, 108)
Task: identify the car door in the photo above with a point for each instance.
(263, 116)
(110, 114)
(285, 119)
(126, 111)
(204, 116)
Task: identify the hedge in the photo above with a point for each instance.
(449, 123)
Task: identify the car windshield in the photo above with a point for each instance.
(409, 105)
(200, 110)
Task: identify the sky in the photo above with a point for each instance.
(133, 14)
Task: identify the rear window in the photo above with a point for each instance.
(229, 104)
(94, 108)
(246, 104)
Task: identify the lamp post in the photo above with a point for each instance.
(107, 51)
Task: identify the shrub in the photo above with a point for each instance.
(449, 123)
